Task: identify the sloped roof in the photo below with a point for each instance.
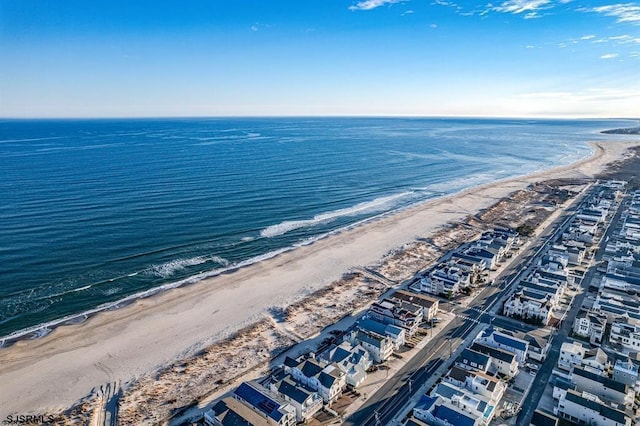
(453, 417)
(603, 410)
(499, 354)
(293, 390)
(473, 357)
(259, 399)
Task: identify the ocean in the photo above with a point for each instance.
(96, 213)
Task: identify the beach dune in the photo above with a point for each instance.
(47, 375)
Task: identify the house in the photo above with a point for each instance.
(326, 379)
(464, 402)
(472, 360)
(437, 411)
(468, 263)
(560, 387)
(396, 334)
(626, 372)
(477, 382)
(596, 360)
(501, 340)
(232, 412)
(540, 418)
(602, 386)
(503, 361)
(571, 354)
(529, 305)
(583, 408)
(625, 335)
(352, 360)
(270, 408)
(305, 400)
(445, 279)
(429, 305)
(539, 342)
(490, 255)
(590, 325)
(397, 312)
(379, 347)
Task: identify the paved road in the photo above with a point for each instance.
(396, 392)
(544, 374)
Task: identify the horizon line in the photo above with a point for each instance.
(156, 117)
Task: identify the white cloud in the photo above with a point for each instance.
(254, 28)
(408, 12)
(520, 6)
(587, 37)
(529, 46)
(371, 4)
(434, 26)
(623, 12)
(609, 56)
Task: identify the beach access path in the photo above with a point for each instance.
(47, 375)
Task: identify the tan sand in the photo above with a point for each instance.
(47, 375)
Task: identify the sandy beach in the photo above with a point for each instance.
(47, 375)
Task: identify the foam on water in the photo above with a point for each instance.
(168, 269)
(378, 204)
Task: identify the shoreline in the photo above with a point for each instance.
(43, 329)
(150, 332)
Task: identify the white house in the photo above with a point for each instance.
(306, 401)
(590, 325)
(571, 353)
(327, 379)
(501, 340)
(626, 335)
(584, 408)
(353, 360)
(379, 347)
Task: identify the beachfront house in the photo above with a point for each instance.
(353, 360)
(326, 379)
(397, 312)
(396, 334)
(428, 304)
(305, 400)
(445, 279)
(379, 347)
(251, 403)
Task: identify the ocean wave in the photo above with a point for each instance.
(30, 140)
(168, 269)
(378, 204)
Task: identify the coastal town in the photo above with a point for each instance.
(469, 320)
(504, 329)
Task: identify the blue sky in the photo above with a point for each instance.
(113, 58)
